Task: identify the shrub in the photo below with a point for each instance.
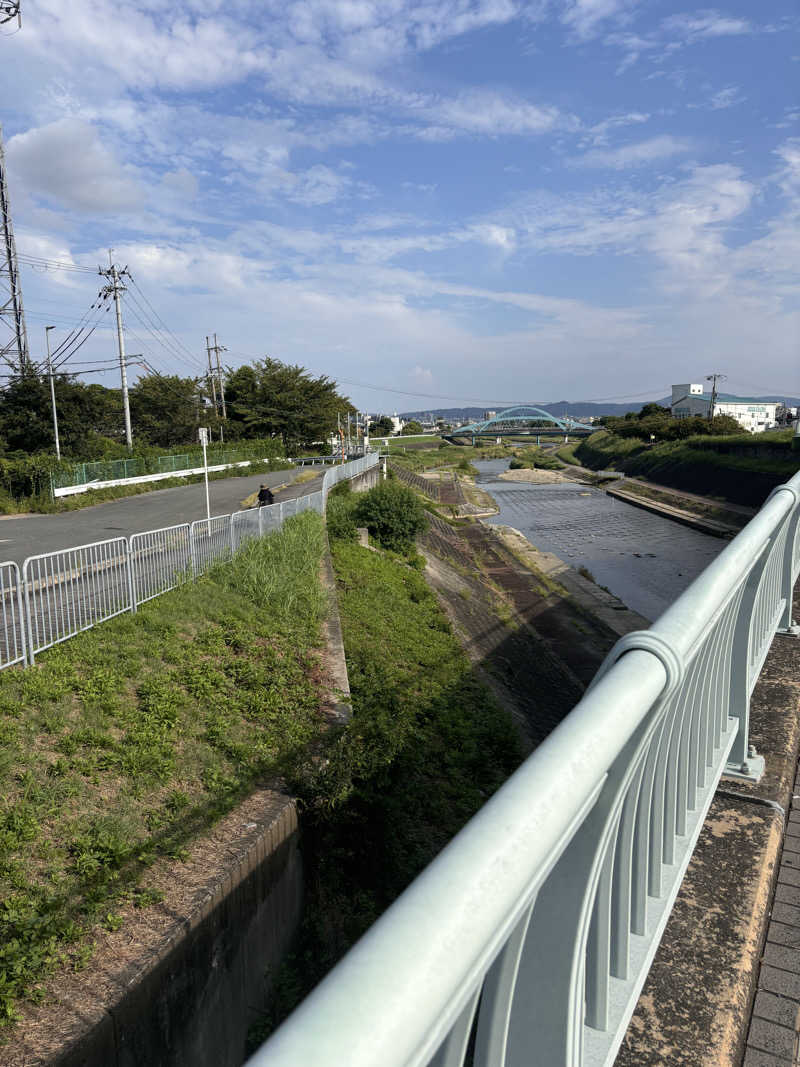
(392, 513)
(516, 465)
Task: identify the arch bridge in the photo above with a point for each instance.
(524, 420)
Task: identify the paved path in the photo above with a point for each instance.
(775, 1026)
(28, 535)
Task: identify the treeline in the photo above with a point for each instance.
(264, 400)
(657, 421)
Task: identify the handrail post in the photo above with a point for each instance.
(787, 626)
(743, 761)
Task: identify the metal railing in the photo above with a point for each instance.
(528, 939)
(72, 590)
(13, 640)
(159, 560)
(57, 595)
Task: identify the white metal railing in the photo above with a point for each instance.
(528, 939)
(13, 638)
(59, 594)
(74, 589)
(159, 559)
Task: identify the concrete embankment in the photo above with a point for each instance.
(670, 511)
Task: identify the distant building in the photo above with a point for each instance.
(751, 413)
(489, 415)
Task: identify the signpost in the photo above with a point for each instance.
(203, 433)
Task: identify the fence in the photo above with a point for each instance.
(59, 594)
(529, 937)
(113, 469)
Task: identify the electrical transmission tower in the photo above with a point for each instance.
(13, 336)
(9, 9)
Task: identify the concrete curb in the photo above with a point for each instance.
(337, 706)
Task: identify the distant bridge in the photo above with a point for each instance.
(525, 420)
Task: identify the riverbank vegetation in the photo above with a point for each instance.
(741, 468)
(426, 747)
(124, 742)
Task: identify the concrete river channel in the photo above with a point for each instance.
(644, 559)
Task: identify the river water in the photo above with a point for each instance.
(644, 559)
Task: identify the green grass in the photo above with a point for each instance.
(425, 749)
(121, 744)
(447, 456)
(740, 468)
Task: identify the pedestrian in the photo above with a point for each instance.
(265, 496)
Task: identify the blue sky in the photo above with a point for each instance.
(494, 200)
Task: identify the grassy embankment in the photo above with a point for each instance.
(426, 747)
(742, 468)
(121, 744)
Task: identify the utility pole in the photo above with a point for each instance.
(47, 330)
(216, 348)
(116, 288)
(713, 379)
(213, 386)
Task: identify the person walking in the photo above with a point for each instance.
(265, 496)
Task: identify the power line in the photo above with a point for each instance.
(45, 265)
(175, 340)
(162, 337)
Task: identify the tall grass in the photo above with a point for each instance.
(279, 574)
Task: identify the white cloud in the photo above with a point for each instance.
(725, 98)
(66, 161)
(585, 16)
(638, 154)
(709, 23)
(422, 375)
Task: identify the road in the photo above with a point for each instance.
(28, 535)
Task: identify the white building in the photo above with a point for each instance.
(752, 414)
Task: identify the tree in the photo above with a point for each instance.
(654, 409)
(86, 413)
(412, 426)
(166, 410)
(381, 427)
(272, 399)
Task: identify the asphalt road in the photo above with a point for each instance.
(30, 535)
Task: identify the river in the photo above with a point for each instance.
(644, 559)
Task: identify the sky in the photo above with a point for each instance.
(433, 203)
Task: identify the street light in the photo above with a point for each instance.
(47, 330)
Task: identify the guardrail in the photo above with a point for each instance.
(528, 939)
(57, 595)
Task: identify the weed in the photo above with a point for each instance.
(122, 743)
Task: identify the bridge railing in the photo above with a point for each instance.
(528, 939)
